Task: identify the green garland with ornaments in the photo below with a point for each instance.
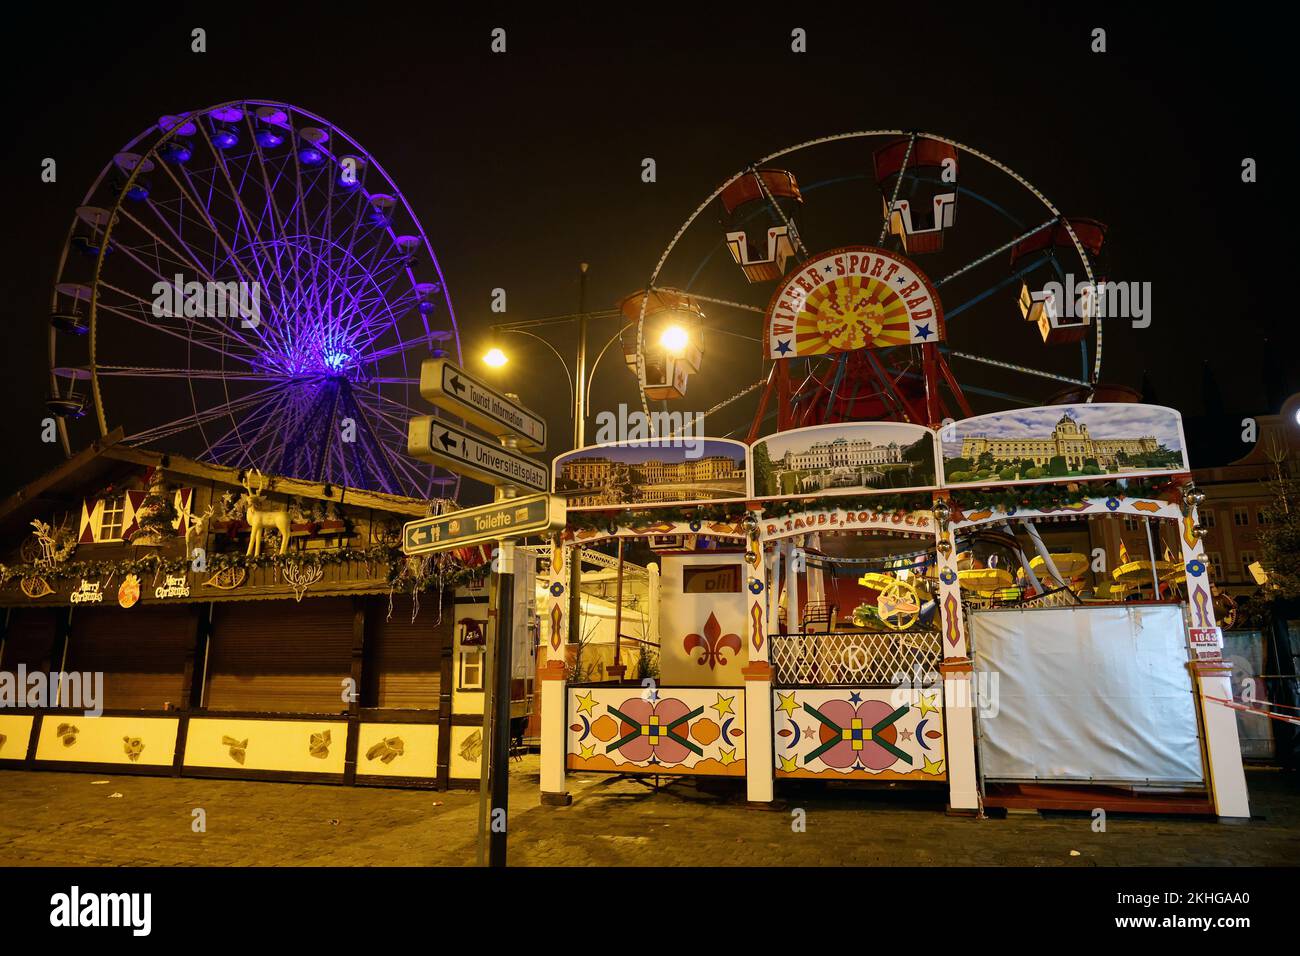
(1050, 497)
(438, 571)
(1045, 497)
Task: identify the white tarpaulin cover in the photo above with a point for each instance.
(1085, 693)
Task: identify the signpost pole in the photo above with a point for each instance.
(500, 750)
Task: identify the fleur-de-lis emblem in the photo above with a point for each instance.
(132, 747)
(320, 745)
(67, 733)
(712, 642)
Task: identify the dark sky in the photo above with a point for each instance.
(522, 165)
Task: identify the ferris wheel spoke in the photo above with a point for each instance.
(188, 189)
(185, 254)
(266, 414)
(1015, 277)
(191, 321)
(907, 156)
(197, 418)
(129, 371)
(147, 319)
(245, 216)
(998, 363)
(1005, 247)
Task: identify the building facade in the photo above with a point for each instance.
(842, 453)
(1070, 440)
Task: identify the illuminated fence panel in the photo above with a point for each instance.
(663, 730)
(860, 659)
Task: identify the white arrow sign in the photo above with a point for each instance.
(429, 439)
(448, 386)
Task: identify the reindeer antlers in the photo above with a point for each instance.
(248, 482)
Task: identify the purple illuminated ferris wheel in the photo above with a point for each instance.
(246, 285)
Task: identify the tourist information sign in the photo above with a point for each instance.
(431, 439)
(449, 387)
(507, 518)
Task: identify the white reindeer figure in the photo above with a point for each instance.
(262, 514)
(195, 527)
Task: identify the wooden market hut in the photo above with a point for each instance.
(335, 661)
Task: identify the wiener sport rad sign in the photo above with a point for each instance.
(853, 298)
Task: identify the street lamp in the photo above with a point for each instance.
(495, 358)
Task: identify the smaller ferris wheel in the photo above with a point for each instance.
(863, 295)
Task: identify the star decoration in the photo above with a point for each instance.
(787, 764)
(588, 750)
(808, 732)
(787, 703)
(924, 332)
(783, 346)
(904, 735)
(932, 767)
(587, 704)
(927, 704)
(723, 706)
(855, 698)
(727, 756)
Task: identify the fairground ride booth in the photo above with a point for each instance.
(1015, 611)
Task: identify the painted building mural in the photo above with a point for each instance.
(860, 733)
(678, 730)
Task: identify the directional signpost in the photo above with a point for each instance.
(507, 518)
(510, 517)
(432, 439)
(450, 387)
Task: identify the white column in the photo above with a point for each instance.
(653, 600)
(959, 718)
(759, 745)
(792, 623)
(555, 703)
(1212, 679)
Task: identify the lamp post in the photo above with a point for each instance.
(580, 394)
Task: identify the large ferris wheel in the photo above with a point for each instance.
(246, 285)
(865, 296)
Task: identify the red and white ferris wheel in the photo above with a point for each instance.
(865, 296)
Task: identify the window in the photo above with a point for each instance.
(112, 519)
(1241, 516)
(1261, 515)
(1247, 559)
(1216, 565)
(1207, 518)
(1131, 524)
(471, 669)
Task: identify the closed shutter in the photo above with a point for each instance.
(281, 656)
(30, 639)
(141, 652)
(404, 658)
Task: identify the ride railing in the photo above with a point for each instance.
(862, 659)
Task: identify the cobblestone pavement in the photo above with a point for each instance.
(67, 819)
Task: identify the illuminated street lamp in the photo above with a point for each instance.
(495, 358)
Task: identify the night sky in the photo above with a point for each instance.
(522, 165)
